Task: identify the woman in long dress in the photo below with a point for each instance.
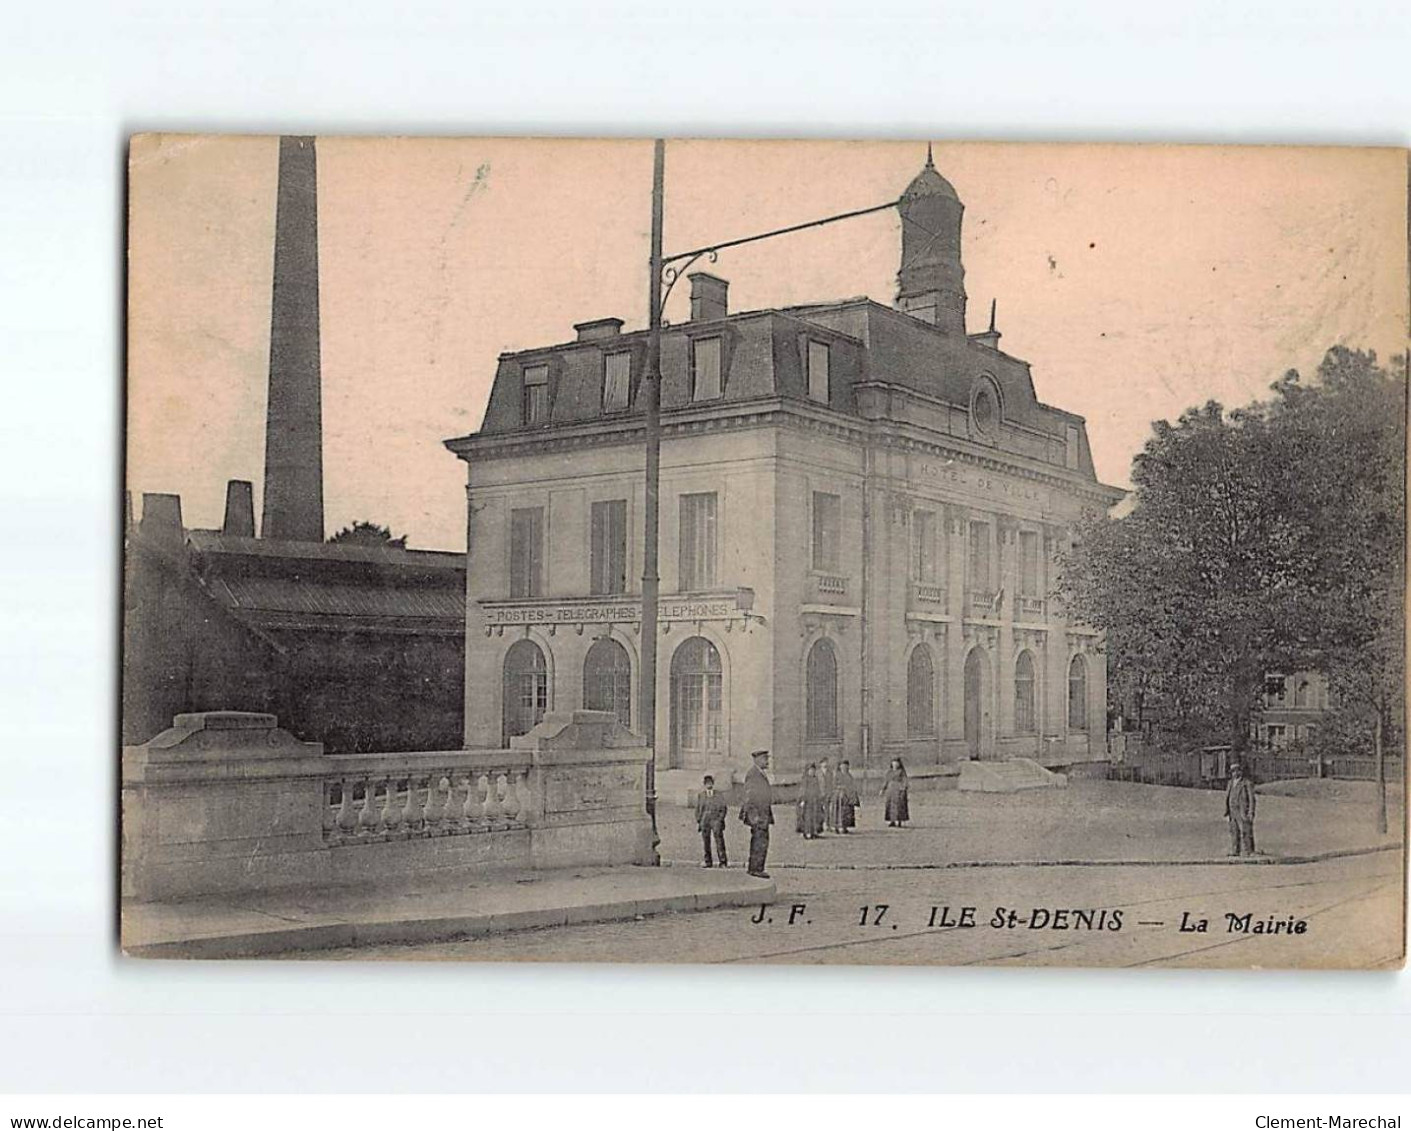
(810, 804)
(894, 788)
(845, 800)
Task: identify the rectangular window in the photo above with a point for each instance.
(527, 552)
(818, 359)
(979, 575)
(705, 369)
(609, 550)
(827, 530)
(1028, 563)
(617, 381)
(1070, 450)
(923, 545)
(536, 394)
(698, 539)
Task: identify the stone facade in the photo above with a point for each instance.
(860, 512)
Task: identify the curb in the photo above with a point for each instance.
(332, 936)
(1225, 861)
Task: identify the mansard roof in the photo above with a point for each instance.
(764, 355)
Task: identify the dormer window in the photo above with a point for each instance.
(1070, 448)
(536, 395)
(705, 369)
(818, 376)
(617, 381)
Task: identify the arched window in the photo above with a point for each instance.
(607, 680)
(1078, 694)
(526, 688)
(822, 692)
(1024, 694)
(1301, 696)
(697, 720)
(920, 693)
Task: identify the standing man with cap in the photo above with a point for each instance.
(1239, 808)
(758, 812)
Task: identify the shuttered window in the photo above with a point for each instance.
(920, 693)
(617, 381)
(536, 394)
(827, 530)
(609, 546)
(1077, 694)
(698, 536)
(819, 361)
(705, 369)
(923, 545)
(527, 552)
(1024, 694)
(979, 579)
(1028, 563)
(822, 692)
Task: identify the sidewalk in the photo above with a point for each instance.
(424, 909)
(1090, 822)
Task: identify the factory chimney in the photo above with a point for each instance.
(293, 500)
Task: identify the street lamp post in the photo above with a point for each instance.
(651, 573)
(664, 272)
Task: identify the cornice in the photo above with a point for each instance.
(887, 434)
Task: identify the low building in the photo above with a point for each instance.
(1291, 709)
(357, 647)
(860, 508)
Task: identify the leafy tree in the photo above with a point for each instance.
(1349, 432)
(368, 534)
(1268, 538)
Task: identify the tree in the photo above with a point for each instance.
(1349, 429)
(368, 534)
(1194, 588)
(1270, 538)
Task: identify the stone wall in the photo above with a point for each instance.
(226, 801)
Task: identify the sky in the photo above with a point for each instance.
(1137, 280)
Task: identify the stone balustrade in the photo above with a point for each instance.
(379, 797)
(226, 801)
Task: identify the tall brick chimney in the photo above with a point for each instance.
(293, 503)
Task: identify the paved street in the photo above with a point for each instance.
(1352, 908)
(1090, 820)
(1025, 912)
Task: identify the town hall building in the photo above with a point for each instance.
(861, 509)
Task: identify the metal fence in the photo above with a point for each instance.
(1145, 762)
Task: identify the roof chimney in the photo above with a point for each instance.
(598, 329)
(709, 297)
(991, 336)
(294, 420)
(161, 519)
(239, 509)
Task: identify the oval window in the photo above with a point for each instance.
(985, 409)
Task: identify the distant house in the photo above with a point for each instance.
(1291, 709)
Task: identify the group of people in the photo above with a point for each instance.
(831, 800)
(827, 800)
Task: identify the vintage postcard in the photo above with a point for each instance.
(847, 552)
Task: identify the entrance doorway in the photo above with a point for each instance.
(977, 703)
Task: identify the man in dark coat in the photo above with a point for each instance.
(1239, 808)
(758, 812)
(710, 819)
